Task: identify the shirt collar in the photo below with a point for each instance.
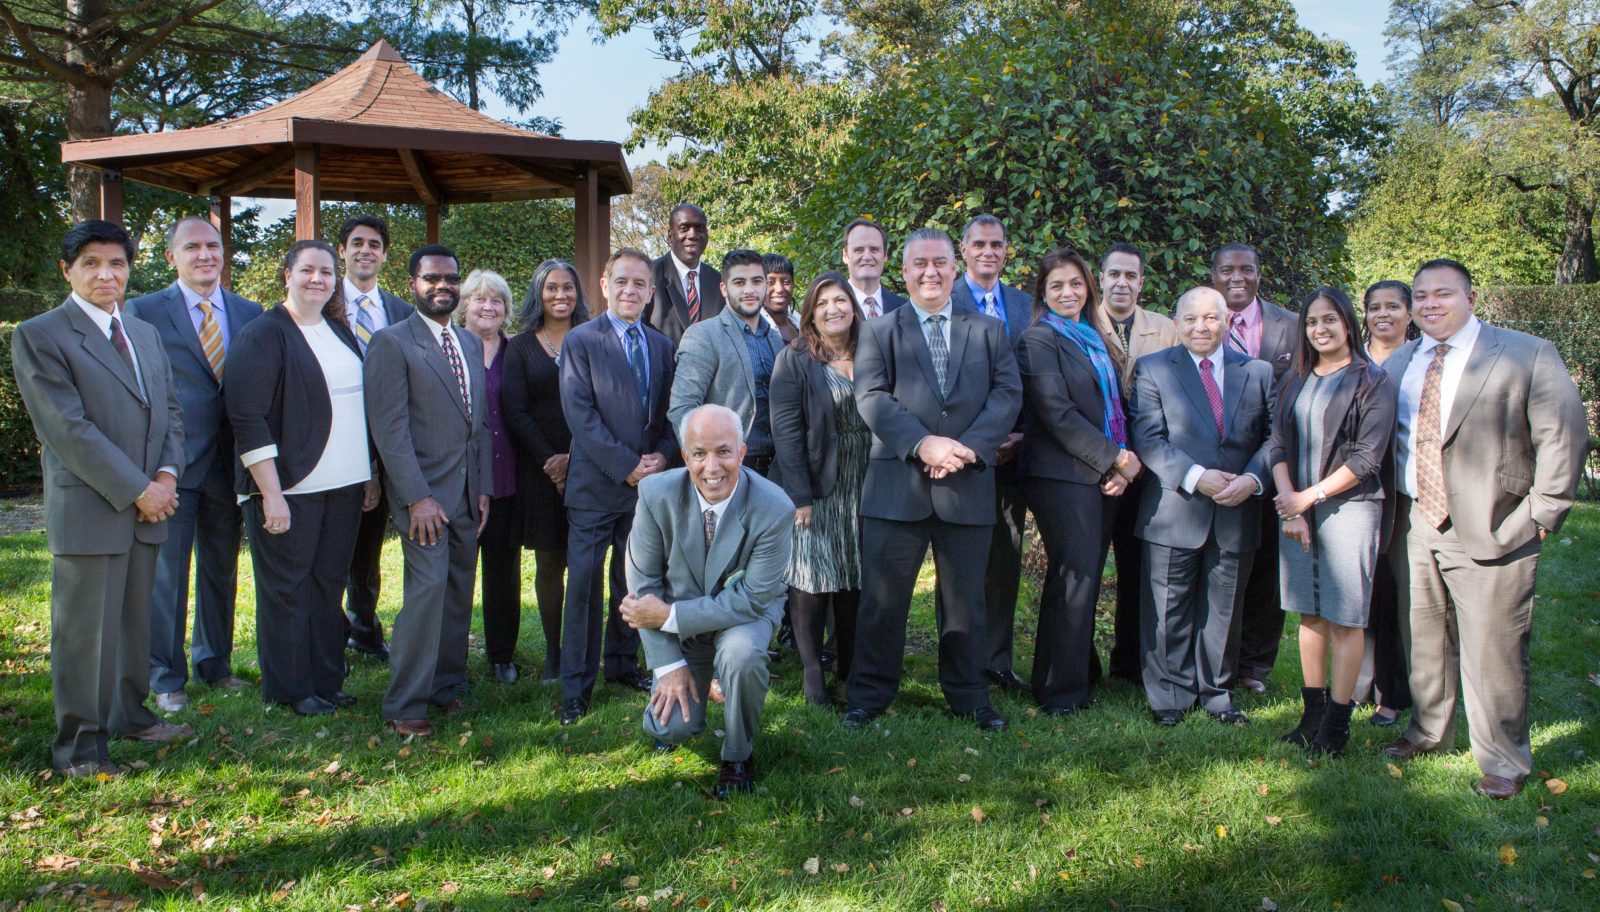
(439, 331)
(978, 291)
(1251, 314)
(352, 294)
(1216, 358)
(1463, 338)
(720, 509)
(861, 296)
(100, 317)
(619, 325)
(683, 268)
(191, 298)
(923, 315)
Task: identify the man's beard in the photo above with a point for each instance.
(430, 306)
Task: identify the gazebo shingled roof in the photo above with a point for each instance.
(375, 131)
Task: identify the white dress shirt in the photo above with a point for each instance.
(102, 321)
(1191, 478)
(877, 299)
(378, 316)
(437, 330)
(683, 278)
(1455, 364)
(670, 625)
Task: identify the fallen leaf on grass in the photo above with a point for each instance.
(449, 887)
(606, 860)
(1588, 874)
(1262, 791)
(279, 894)
(403, 752)
(1452, 905)
(57, 863)
(331, 768)
(832, 772)
(151, 877)
(841, 868)
(977, 814)
(380, 852)
(1508, 854)
(1222, 832)
(630, 882)
(1396, 771)
(1273, 820)
(1541, 821)
(812, 865)
(963, 778)
(403, 901)
(1267, 905)
(907, 812)
(855, 801)
(1556, 786)
(205, 709)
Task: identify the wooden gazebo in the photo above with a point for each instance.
(377, 132)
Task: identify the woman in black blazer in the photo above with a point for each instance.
(1074, 459)
(1332, 464)
(305, 476)
(820, 448)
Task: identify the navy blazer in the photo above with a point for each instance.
(206, 432)
(1018, 305)
(610, 427)
(889, 300)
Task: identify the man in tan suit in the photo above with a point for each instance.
(99, 389)
(1491, 440)
(1135, 332)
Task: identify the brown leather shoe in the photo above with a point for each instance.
(410, 728)
(1402, 749)
(160, 733)
(90, 770)
(1497, 788)
(736, 776)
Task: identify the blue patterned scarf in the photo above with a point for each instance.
(1088, 338)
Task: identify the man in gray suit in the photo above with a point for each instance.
(706, 563)
(727, 360)
(427, 407)
(99, 390)
(1256, 329)
(196, 318)
(1200, 418)
(984, 248)
(1491, 442)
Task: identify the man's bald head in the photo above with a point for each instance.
(713, 449)
(1199, 315)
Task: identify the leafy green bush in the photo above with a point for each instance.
(19, 448)
(18, 304)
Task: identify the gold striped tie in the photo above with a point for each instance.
(211, 339)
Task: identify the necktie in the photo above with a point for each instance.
(1213, 393)
(211, 338)
(871, 306)
(1236, 334)
(939, 350)
(692, 295)
(636, 364)
(120, 343)
(365, 325)
(988, 305)
(447, 342)
(711, 527)
(1429, 443)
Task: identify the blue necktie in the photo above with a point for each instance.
(636, 364)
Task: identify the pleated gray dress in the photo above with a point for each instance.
(826, 557)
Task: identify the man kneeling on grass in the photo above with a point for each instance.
(706, 561)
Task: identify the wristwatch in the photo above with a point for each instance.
(1322, 493)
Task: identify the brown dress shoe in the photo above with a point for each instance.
(418, 728)
(1402, 749)
(736, 776)
(1497, 788)
(160, 733)
(90, 770)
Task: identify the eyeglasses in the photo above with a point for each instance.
(432, 278)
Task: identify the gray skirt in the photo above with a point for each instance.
(1334, 579)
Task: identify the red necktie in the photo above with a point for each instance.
(693, 296)
(1213, 393)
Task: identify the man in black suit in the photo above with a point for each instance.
(1256, 329)
(984, 249)
(687, 290)
(196, 319)
(364, 247)
(866, 250)
(938, 386)
(616, 377)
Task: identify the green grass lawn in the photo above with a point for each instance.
(507, 810)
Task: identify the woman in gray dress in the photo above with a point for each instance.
(820, 459)
(1332, 463)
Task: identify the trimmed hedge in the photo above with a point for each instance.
(18, 304)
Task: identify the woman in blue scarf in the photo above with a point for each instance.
(1074, 459)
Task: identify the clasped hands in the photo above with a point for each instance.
(1123, 471)
(649, 464)
(1226, 488)
(1292, 507)
(159, 499)
(944, 456)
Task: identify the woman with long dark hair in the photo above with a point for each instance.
(820, 448)
(530, 400)
(1332, 464)
(1074, 460)
(300, 429)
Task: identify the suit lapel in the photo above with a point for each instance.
(1189, 377)
(431, 353)
(1480, 364)
(911, 331)
(693, 544)
(733, 327)
(176, 311)
(97, 345)
(960, 329)
(1232, 389)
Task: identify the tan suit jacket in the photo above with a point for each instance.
(1151, 333)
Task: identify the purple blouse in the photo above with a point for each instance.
(505, 460)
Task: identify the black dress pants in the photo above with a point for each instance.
(361, 595)
(1129, 553)
(1261, 630)
(591, 532)
(1075, 525)
(500, 550)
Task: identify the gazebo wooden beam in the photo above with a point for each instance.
(591, 243)
(558, 176)
(222, 220)
(421, 180)
(111, 195)
(307, 195)
(259, 171)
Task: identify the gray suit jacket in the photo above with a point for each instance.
(1280, 336)
(713, 365)
(1515, 444)
(1172, 430)
(100, 442)
(740, 580)
(429, 445)
(206, 431)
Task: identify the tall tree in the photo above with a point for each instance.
(472, 48)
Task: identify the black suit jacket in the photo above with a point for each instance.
(668, 311)
(1065, 411)
(286, 401)
(804, 431)
(610, 428)
(899, 399)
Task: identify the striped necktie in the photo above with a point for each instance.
(1236, 334)
(365, 326)
(447, 342)
(692, 295)
(211, 338)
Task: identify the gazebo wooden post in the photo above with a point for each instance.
(111, 194)
(307, 195)
(591, 234)
(222, 220)
(432, 212)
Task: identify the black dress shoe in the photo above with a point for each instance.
(1167, 717)
(312, 706)
(736, 776)
(378, 653)
(1230, 717)
(1254, 685)
(662, 747)
(990, 721)
(1383, 721)
(341, 699)
(633, 679)
(571, 711)
(856, 717)
(1007, 681)
(1062, 711)
(505, 673)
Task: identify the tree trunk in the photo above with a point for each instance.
(1577, 264)
(88, 104)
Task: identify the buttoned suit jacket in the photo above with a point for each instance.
(668, 309)
(1172, 429)
(740, 580)
(1515, 443)
(100, 442)
(713, 365)
(898, 396)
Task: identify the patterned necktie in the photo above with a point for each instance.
(1213, 393)
(871, 306)
(939, 350)
(365, 326)
(211, 338)
(988, 305)
(447, 342)
(692, 295)
(636, 364)
(1236, 334)
(1429, 443)
(711, 527)
(120, 343)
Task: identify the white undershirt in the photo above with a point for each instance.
(344, 457)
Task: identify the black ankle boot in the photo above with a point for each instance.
(1334, 731)
(1316, 702)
